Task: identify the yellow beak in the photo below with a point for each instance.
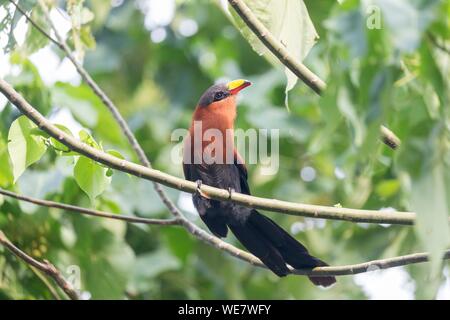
(237, 85)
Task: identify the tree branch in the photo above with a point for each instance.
(353, 269)
(156, 176)
(47, 282)
(189, 226)
(373, 265)
(247, 257)
(89, 212)
(46, 267)
(299, 69)
(313, 211)
(188, 186)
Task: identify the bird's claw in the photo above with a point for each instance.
(230, 192)
(199, 184)
(199, 189)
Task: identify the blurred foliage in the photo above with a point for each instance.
(385, 62)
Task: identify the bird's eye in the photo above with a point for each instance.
(218, 96)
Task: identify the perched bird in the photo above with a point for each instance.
(222, 167)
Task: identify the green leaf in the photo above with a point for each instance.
(11, 20)
(87, 38)
(80, 16)
(350, 28)
(88, 139)
(58, 145)
(105, 259)
(430, 199)
(6, 175)
(151, 265)
(347, 108)
(289, 22)
(116, 154)
(179, 242)
(35, 40)
(80, 107)
(25, 147)
(406, 29)
(109, 172)
(91, 177)
(101, 9)
(29, 83)
(387, 188)
(87, 109)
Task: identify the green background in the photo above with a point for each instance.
(397, 75)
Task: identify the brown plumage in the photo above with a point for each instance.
(216, 112)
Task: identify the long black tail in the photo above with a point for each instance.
(276, 248)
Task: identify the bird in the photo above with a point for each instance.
(214, 161)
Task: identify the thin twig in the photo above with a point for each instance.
(286, 58)
(352, 269)
(46, 282)
(90, 212)
(436, 43)
(45, 266)
(373, 265)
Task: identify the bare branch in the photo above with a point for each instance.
(46, 267)
(313, 211)
(188, 186)
(156, 176)
(247, 257)
(90, 212)
(299, 69)
(373, 265)
(47, 282)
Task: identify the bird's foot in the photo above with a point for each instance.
(230, 192)
(199, 190)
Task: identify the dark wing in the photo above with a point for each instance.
(242, 170)
(259, 234)
(209, 210)
(216, 214)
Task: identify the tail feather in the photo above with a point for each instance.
(322, 281)
(251, 239)
(276, 248)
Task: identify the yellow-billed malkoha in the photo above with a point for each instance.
(216, 109)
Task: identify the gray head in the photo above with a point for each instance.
(222, 91)
(214, 93)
